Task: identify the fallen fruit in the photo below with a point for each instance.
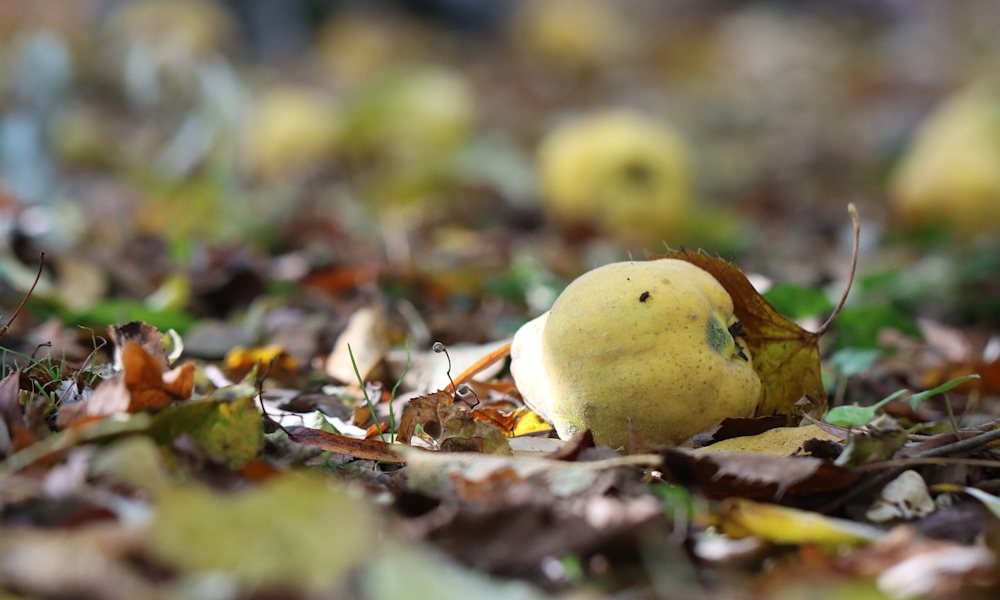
(654, 344)
(950, 175)
(622, 172)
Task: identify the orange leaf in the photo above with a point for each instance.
(785, 356)
(148, 386)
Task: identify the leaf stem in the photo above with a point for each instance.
(856, 222)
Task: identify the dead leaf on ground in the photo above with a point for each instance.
(369, 449)
(740, 517)
(759, 476)
(448, 427)
(438, 472)
(785, 356)
(17, 433)
(780, 441)
(143, 385)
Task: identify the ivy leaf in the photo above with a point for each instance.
(785, 356)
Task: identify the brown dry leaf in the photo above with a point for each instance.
(760, 476)
(449, 427)
(341, 444)
(142, 385)
(12, 413)
(785, 356)
(144, 334)
(90, 561)
(908, 565)
(988, 382)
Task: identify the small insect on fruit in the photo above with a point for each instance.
(643, 296)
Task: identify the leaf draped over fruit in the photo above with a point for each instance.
(785, 356)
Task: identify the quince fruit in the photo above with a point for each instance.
(653, 344)
(413, 114)
(622, 172)
(950, 175)
(293, 130)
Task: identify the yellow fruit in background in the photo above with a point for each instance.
(950, 176)
(571, 33)
(625, 173)
(653, 343)
(174, 28)
(419, 113)
(355, 46)
(291, 131)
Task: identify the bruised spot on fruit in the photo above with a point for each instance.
(719, 337)
(638, 173)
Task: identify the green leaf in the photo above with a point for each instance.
(856, 416)
(944, 387)
(293, 532)
(859, 326)
(852, 361)
(797, 301)
(229, 431)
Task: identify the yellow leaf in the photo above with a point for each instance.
(780, 441)
(783, 525)
(785, 356)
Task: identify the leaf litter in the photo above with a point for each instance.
(300, 436)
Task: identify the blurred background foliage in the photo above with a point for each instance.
(185, 157)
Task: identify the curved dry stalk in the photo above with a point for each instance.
(856, 221)
(41, 265)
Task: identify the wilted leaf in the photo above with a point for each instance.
(435, 472)
(400, 571)
(274, 360)
(363, 343)
(142, 385)
(293, 532)
(785, 356)
(783, 525)
(780, 441)
(904, 498)
(747, 475)
(12, 414)
(449, 427)
(368, 449)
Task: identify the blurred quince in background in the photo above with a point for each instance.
(572, 34)
(407, 130)
(356, 46)
(950, 175)
(292, 131)
(621, 172)
(412, 113)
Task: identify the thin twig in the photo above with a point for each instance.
(856, 222)
(41, 266)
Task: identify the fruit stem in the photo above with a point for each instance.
(856, 222)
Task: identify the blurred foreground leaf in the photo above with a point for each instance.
(294, 532)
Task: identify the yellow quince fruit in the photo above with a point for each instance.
(653, 345)
(292, 130)
(950, 175)
(625, 173)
